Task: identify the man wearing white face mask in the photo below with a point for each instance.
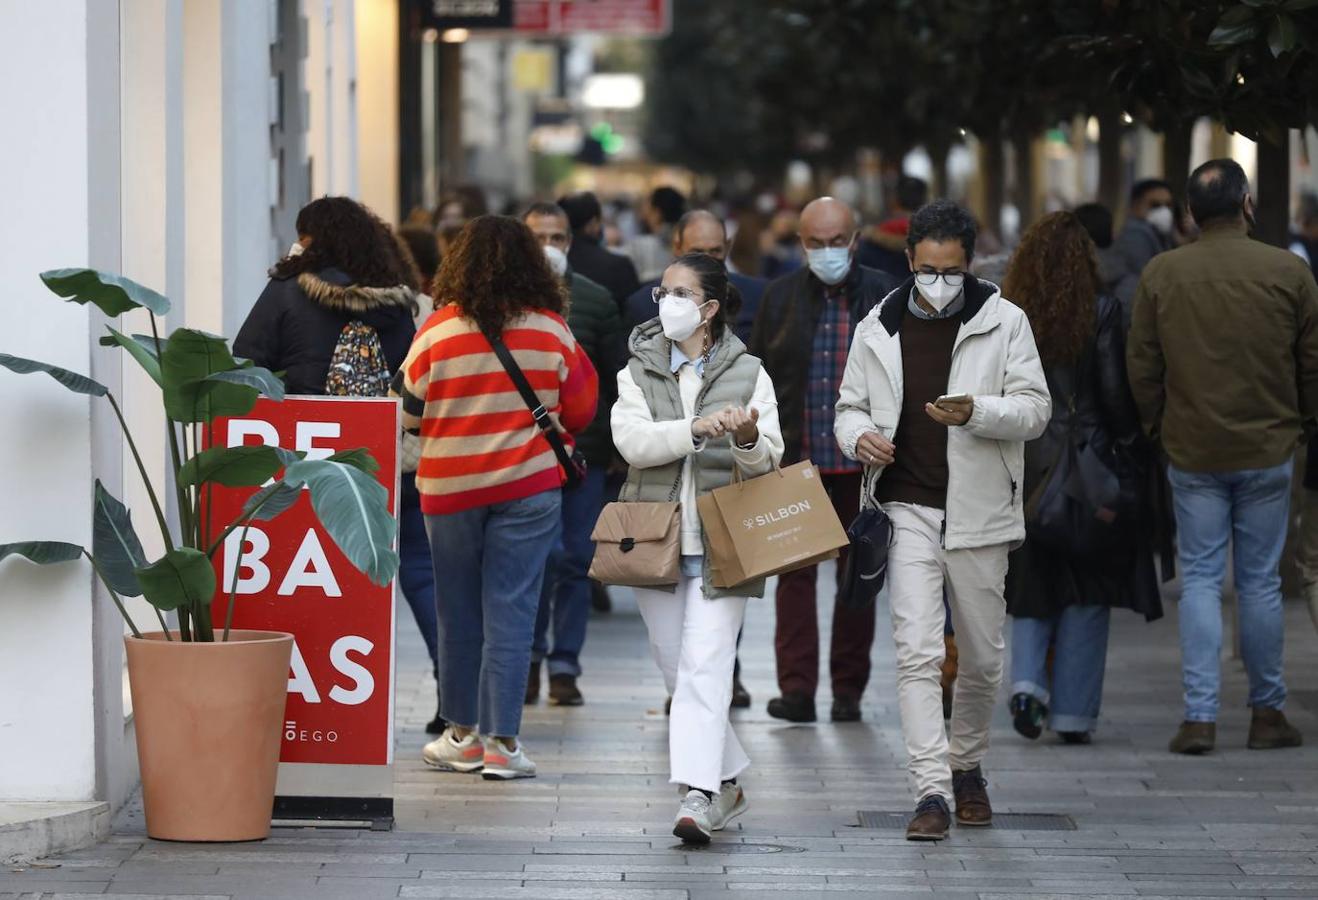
(565, 596)
(943, 387)
(1149, 230)
(802, 332)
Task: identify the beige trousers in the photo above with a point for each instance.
(918, 570)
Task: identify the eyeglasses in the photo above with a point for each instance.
(660, 292)
(929, 279)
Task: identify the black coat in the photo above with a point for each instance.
(1041, 582)
(614, 271)
(295, 325)
(784, 336)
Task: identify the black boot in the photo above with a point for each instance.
(793, 708)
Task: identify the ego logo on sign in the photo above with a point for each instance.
(303, 736)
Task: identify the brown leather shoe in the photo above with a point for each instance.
(1194, 738)
(563, 691)
(931, 821)
(1269, 730)
(972, 800)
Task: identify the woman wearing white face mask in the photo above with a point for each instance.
(692, 404)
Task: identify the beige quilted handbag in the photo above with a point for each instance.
(637, 545)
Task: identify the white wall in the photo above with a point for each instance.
(47, 735)
(330, 78)
(377, 106)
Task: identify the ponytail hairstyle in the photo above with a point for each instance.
(715, 285)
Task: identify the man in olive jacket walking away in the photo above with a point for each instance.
(565, 596)
(1223, 361)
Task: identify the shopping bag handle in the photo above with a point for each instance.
(739, 479)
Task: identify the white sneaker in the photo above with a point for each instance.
(729, 803)
(450, 754)
(502, 765)
(693, 819)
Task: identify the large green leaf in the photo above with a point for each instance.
(115, 544)
(190, 357)
(271, 501)
(79, 384)
(182, 577)
(358, 457)
(140, 346)
(1237, 26)
(1297, 5)
(112, 294)
(236, 466)
(251, 376)
(43, 553)
(354, 508)
(1281, 35)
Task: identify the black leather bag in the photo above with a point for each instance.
(1079, 509)
(866, 566)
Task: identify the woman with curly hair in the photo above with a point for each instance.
(337, 317)
(489, 479)
(1058, 600)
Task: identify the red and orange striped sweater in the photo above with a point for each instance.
(479, 443)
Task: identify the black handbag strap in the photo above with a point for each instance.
(532, 401)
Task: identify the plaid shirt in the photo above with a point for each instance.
(828, 360)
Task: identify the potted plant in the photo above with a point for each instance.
(208, 701)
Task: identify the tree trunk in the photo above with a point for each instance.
(938, 165)
(1022, 144)
(1176, 156)
(1110, 132)
(1273, 190)
(992, 164)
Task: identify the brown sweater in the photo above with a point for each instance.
(918, 473)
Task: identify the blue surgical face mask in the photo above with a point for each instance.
(830, 264)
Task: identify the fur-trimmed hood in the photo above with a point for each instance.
(355, 300)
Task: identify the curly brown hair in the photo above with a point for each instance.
(1053, 276)
(347, 236)
(495, 271)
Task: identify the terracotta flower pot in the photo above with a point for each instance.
(209, 722)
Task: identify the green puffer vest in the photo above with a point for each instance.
(730, 375)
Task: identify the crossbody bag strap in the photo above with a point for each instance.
(532, 401)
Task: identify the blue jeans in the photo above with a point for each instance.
(1252, 509)
(491, 561)
(416, 574)
(1075, 691)
(565, 597)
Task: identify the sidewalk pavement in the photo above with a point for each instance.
(596, 823)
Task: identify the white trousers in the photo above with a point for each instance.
(694, 641)
(918, 570)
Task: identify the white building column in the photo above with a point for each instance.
(47, 730)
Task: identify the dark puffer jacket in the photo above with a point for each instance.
(1041, 582)
(597, 326)
(784, 336)
(296, 322)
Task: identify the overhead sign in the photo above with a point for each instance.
(628, 17)
(290, 576)
(444, 14)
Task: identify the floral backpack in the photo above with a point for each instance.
(358, 367)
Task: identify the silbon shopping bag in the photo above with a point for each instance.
(768, 525)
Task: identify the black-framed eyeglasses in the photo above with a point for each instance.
(951, 279)
(659, 292)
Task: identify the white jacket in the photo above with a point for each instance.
(643, 442)
(994, 359)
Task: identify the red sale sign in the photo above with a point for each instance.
(289, 576)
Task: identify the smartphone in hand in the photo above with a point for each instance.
(943, 401)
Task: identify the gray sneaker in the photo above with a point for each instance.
(453, 755)
(729, 803)
(693, 819)
(501, 764)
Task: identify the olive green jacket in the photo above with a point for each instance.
(1223, 352)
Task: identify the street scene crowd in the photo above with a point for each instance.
(1046, 435)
